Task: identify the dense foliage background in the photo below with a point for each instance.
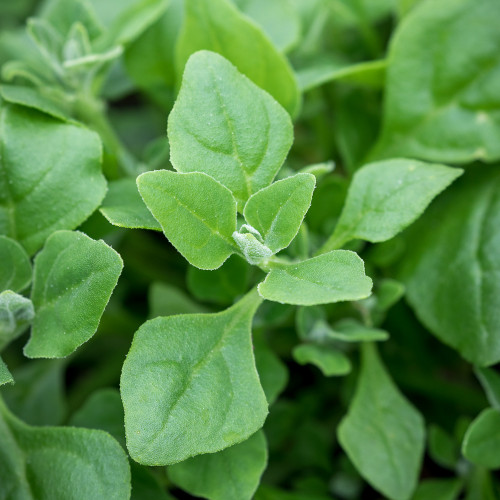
(364, 82)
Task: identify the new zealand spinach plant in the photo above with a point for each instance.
(249, 249)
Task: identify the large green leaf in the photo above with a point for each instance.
(482, 439)
(387, 196)
(233, 473)
(15, 271)
(197, 214)
(383, 434)
(217, 25)
(442, 101)
(50, 175)
(189, 385)
(73, 281)
(60, 463)
(16, 314)
(277, 211)
(452, 266)
(224, 125)
(332, 277)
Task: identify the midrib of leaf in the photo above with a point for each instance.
(201, 364)
(10, 206)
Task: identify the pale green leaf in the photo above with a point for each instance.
(490, 380)
(446, 106)
(5, 375)
(276, 211)
(16, 314)
(73, 281)
(197, 214)
(332, 277)
(387, 196)
(481, 443)
(124, 207)
(189, 385)
(350, 330)
(15, 271)
(438, 489)
(451, 267)
(233, 473)
(383, 434)
(328, 359)
(60, 462)
(51, 175)
(224, 125)
(240, 41)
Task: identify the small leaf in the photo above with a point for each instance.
(240, 41)
(490, 380)
(5, 375)
(332, 277)
(383, 434)
(189, 385)
(51, 181)
(167, 300)
(350, 330)
(442, 448)
(124, 207)
(60, 462)
(197, 214)
(482, 440)
(16, 314)
(387, 196)
(328, 359)
(438, 489)
(15, 272)
(233, 473)
(224, 125)
(73, 281)
(277, 211)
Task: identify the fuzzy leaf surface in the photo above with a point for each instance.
(15, 272)
(329, 360)
(16, 314)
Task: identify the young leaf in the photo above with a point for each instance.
(5, 375)
(51, 181)
(224, 125)
(328, 359)
(383, 434)
(350, 330)
(490, 380)
(15, 272)
(452, 264)
(439, 112)
(60, 462)
(197, 214)
(240, 41)
(189, 385)
(332, 277)
(73, 281)
(226, 475)
(442, 447)
(482, 439)
(124, 207)
(387, 196)
(277, 211)
(16, 314)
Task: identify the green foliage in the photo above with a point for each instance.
(15, 273)
(16, 314)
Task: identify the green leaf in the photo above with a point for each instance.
(15, 272)
(277, 211)
(329, 360)
(385, 197)
(224, 125)
(38, 396)
(383, 434)
(442, 448)
(167, 300)
(451, 270)
(332, 277)
(439, 111)
(5, 375)
(123, 206)
(438, 489)
(240, 41)
(73, 281)
(221, 286)
(189, 385)
(16, 314)
(482, 439)
(350, 330)
(226, 475)
(51, 181)
(60, 462)
(197, 214)
(490, 380)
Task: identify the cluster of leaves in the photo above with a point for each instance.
(260, 344)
